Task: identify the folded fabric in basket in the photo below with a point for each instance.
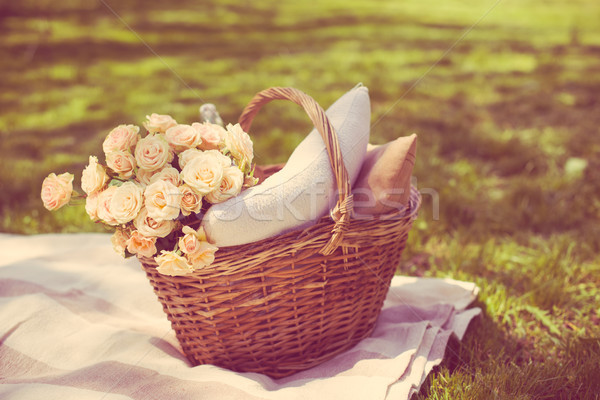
(383, 185)
(304, 190)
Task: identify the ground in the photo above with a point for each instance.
(503, 96)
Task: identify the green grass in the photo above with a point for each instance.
(507, 114)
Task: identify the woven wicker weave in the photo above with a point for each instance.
(287, 303)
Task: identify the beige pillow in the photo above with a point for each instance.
(379, 188)
(383, 185)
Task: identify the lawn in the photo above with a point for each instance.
(504, 96)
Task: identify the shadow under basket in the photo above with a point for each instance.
(288, 303)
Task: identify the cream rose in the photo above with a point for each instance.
(168, 174)
(119, 240)
(222, 159)
(231, 185)
(94, 177)
(191, 202)
(141, 245)
(126, 202)
(122, 138)
(212, 135)
(162, 200)
(144, 176)
(239, 145)
(104, 200)
(205, 172)
(200, 234)
(122, 162)
(150, 227)
(182, 137)
(172, 264)
(157, 123)
(204, 256)
(91, 206)
(57, 190)
(153, 152)
(198, 251)
(189, 242)
(188, 155)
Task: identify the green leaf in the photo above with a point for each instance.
(542, 316)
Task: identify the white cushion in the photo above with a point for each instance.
(304, 190)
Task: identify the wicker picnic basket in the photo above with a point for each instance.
(285, 304)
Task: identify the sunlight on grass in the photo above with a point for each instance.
(483, 60)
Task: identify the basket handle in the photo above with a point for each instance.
(342, 211)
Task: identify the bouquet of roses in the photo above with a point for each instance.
(155, 189)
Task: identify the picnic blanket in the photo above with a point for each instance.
(79, 322)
